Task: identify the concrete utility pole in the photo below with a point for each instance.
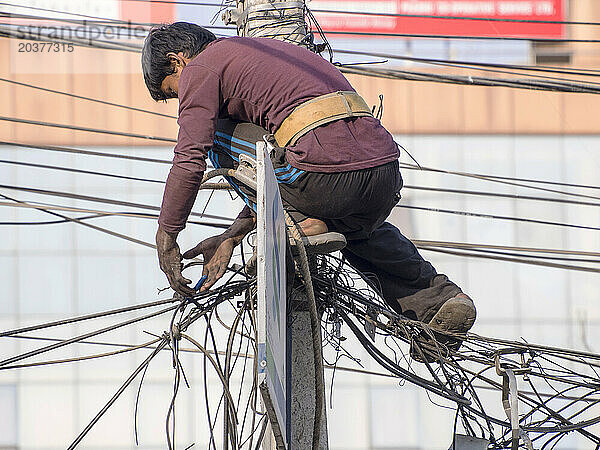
(285, 21)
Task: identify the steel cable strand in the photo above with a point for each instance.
(518, 182)
(82, 337)
(77, 151)
(243, 377)
(226, 373)
(83, 358)
(248, 407)
(477, 246)
(94, 214)
(137, 400)
(524, 260)
(498, 195)
(174, 338)
(569, 418)
(121, 389)
(498, 217)
(232, 413)
(205, 380)
(208, 332)
(86, 317)
(464, 64)
(252, 312)
(473, 392)
(87, 129)
(114, 344)
(89, 225)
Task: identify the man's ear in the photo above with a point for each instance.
(177, 61)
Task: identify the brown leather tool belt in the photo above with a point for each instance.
(319, 111)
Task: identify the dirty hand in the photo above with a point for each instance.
(169, 259)
(217, 251)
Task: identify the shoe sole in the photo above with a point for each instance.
(321, 244)
(456, 315)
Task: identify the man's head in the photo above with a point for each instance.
(167, 50)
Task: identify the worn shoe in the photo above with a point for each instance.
(457, 315)
(320, 244)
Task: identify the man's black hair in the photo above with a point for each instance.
(188, 38)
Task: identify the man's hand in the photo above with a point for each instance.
(217, 251)
(169, 259)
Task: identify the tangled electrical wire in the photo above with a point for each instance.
(559, 392)
(562, 386)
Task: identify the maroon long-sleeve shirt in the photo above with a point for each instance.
(261, 81)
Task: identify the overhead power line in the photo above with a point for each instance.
(406, 186)
(517, 182)
(89, 130)
(522, 83)
(389, 14)
(90, 198)
(93, 214)
(471, 245)
(575, 84)
(481, 176)
(58, 11)
(546, 84)
(81, 171)
(498, 195)
(466, 18)
(54, 148)
(514, 260)
(90, 99)
(88, 225)
(462, 37)
(498, 217)
(475, 64)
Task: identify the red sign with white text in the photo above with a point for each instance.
(534, 10)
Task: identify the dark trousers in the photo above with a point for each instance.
(355, 204)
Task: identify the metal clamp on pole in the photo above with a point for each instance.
(510, 395)
(522, 370)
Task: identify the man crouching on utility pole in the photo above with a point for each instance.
(336, 165)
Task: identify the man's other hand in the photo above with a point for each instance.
(217, 251)
(169, 259)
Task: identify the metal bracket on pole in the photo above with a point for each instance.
(510, 396)
(246, 171)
